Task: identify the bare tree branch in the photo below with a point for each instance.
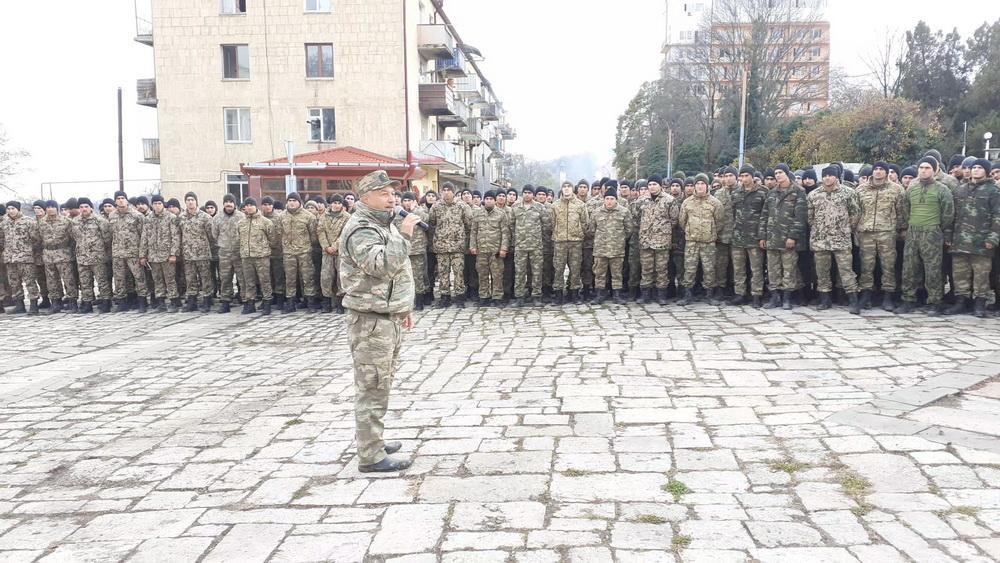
(883, 63)
(11, 160)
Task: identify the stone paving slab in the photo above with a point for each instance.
(623, 433)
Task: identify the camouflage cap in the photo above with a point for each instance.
(375, 181)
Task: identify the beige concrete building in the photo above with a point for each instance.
(235, 80)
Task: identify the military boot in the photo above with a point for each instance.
(33, 307)
(69, 305)
(598, 297)
(575, 296)
(519, 302)
(171, 304)
(557, 298)
(756, 299)
(687, 298)
(786, 300)
(56, 306)
(327, 305)
(866, 299)
(660, 295)
(85, 307)
(338, 305)
(715, 296)
(265, 307)
(312, 303)
(775, 300)
(120, 306)
(887, 302)
(104, 306)
(459, 302)
(645, 295)
(206, 305)
(444, 302)
(958, 308)
(738, 300)
(45, 304)
(979, 307)
(248, 308)
(141, 302)
(620, 297)
(189, 305)
(158, 305)
(854, 306)
(279, 300)
(825, 301)
(418, 302)
(905, 309)
(19, 306)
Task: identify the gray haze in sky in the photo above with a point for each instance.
(565, 70)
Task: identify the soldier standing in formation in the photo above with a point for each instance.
(611, 224)
(833, 214)
(328, 230)
(256, 235)
(418, 250)
(701, 217)
(489, 240)
(569, 225)
(451, 220)
(225, 231)
(158, 250)
(530, 222)
(298, 231)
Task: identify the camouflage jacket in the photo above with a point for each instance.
(419, 239)
(196, 235)
(611, 228)
(329, 227)
(256, 235)
(547, 229)
(747, 209)
(276, 241)
(451, 223)
(833, 217)
(593, 204)
(126, 233)
(375, 272)
(298, 231)
(57, 239)
(226, 231)
(529, 225)
(785, 216)
(656, 219)
(725, 196)
(977, 218)
(490, 231)
(91, 237)
(881, 207)
(677, 233)
(20, 239)
(161, 237)
(569, 220)
(948, 180)
(701, 218)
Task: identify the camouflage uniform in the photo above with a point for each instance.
(418, 252)
(298, 231)
(451, 222)
(748, 205)
(277, 254)
(196, 247)
(701, 218)
(508, 261)
(126, 235)
(56, 236)
(548, 250)
(21, 239)
(378, 291)
(881, 220)
(632, 262)
(977, 223)
(529, 225)
(91, 236)
(489, 236)
(833, 216)
(161, 239)
(656, 218)
(256, 239)
(785, 216)
(569, 224)
(328, 230)
(929, 209)
(587, 257)
(723, 245)
(675, 266)
(611, 228)
(225, 230)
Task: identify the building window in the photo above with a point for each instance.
(817, 33)
(237, 185)
(319, 60)
(233, 6)
(322, 125)
(236, 61)
(237, 125)
(318, 5)
(816, 52)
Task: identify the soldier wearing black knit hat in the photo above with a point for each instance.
(881, 222)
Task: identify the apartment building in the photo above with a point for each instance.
(348, 85)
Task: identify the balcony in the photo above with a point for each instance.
(459, 119)
(447, 150)
(437, 99)
(451, 66)
(146, 92)
(144, 31)
(472, 134)
(151, 151)
(434, 41)
(469, 88)
(490, 112)
(507, 132)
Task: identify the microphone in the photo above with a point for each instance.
(403, 213)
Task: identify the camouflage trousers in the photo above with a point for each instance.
(972, 276)
(89, 273)
(278, 274)
(699, 253)
(230, 267)
(528, 268)
(723, 257)
(61, 281)
(633, 266)
(601, 266)
(329, 284)
(418, 265)
(4, 288)
(754, 258)
(121, 269)
(653, 267)
(164, 280)
(880, 247)
(567, 254)
(256, 271)
(375, 341)
(922, 254)
(300, 269)
(845, 271)
(489, 267)
(41, 280)
(451, 264)
(25, 275)
(198, 279)
(783, 270)
(587, 266)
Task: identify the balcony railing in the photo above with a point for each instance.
(507, 132)
(144, 31)
(151, 151)
(437, 99)
(469, 88)
(452, 66)
(447, 150)
(434, 41)
(146, 92)
(489, 112)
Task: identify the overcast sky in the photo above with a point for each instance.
(565, 70)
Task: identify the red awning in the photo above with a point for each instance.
(339, 162)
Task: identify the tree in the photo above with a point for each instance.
(11, 160)
(524, 171)
(635, 129)
(885, 62)
(933, 72)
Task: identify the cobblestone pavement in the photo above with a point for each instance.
(627, 434)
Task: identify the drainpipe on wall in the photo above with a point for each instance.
(410, 166)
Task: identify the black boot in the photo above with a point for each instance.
(327, 305)
(288, 307)
(620, 297)
(172, 304)
(142, 304)
(312, 303)
(459, 302)
(338, 305)
(265, 307)
(85, 307)
(444, 302)
(715, 296)
(786, 300)
(158, 305)
(519, 302)
(575, 297)
(775, 300)
(854, 307)
(958, 308)
(979, 307)
(190, 305)
(104, 306)
(557, 298)
(248, 308)
(120, 306)
(33, 307)
(905, 309)
(45, 304)
(646, 295)
(278, 300)
(19, 306)
(598, 297)
(887, 302)
(866, 299)
(56, 306)
(825, 301)
(69, 305)
(418, 303)
(206, 305)
(661, 297)
(738, 300)
(687, 298)
(756, 301)
(225, 307)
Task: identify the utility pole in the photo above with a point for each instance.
(636, 167)
(965, 135)
(670, 152)
(290, 179)
(743, 116)
(121, 144)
